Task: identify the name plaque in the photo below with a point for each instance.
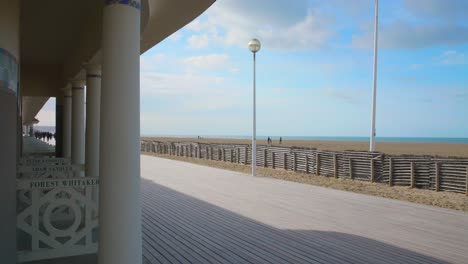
(57, 183)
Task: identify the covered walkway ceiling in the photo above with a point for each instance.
(58, 36)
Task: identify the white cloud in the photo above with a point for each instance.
(198, 41)
(176, 36)
(438, 9)
(279, 24)
(403, 35)
(151, 63)
(210, 61)
(157, 84)
(452, 57)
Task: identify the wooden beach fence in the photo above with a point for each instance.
(424, 172)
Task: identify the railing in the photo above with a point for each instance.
(57, 213)
(426, 172)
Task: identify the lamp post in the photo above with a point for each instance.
(254, 47)
(374, 89)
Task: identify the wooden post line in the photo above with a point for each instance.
(246, 158)
(295, 161)
(466, 181)
(390, 172)
(335, 166)
(410, 170)
(317, 164)
(437, 177)
(273, 165)
(285, 160)
(412, 174)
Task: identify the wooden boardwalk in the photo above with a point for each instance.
(197, 214)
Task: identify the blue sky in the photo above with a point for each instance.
(314, 72)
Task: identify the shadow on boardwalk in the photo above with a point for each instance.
(181, 229)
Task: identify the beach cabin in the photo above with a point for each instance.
(79, 199)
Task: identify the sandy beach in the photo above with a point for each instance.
(432, 149)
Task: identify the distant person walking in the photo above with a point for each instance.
(269, 141)
(281, 140)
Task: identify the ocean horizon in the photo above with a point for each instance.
(324, 138)
(330, 138)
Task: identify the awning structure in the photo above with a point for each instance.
(58, 36)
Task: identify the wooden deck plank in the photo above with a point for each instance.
(191, 250)
(220, 216)
(291, 242)
(225, 241)
(259, 238)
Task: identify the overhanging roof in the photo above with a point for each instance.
(63, 34)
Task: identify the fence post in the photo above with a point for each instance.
(466, 180)
(273, 165)
(246, 158)
(351, 169)
(232, 155)
(265, 158)
(413, 178)
(295, 161)
(285, 160)
(211, 153)
(372, 171)
(191, 151)
(307, 163)
(199, 152)
(317, 163)
(390, 172)
(437, 177)
(335, 166)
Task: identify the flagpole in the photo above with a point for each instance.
(374, 90)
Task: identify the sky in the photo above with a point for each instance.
(314, 71)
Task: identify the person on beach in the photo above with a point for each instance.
(281, 140)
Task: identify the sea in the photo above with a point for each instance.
(324, 138)
(327, 138)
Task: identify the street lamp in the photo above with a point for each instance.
(374, 88)
(254, 47)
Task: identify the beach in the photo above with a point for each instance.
(411, 148)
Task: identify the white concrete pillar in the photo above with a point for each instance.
(78, 124)
(119, 192)
(93, 113)
(66, 122)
